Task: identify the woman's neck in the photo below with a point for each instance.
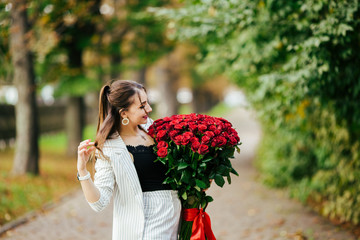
(130, 130)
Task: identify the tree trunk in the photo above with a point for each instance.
(168, 104)
(75, 121)
(116, 60)
(204, 100)
(75, 107)
(141, 76)
(27, 148)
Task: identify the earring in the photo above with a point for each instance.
(125, 121)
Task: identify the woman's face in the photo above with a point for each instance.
(138, 111)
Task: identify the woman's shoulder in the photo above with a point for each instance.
(114, 142)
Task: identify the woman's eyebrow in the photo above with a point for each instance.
(143, 103)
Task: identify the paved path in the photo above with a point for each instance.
(243, 210)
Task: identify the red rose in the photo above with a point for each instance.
(218, 141)
(233, 141)
(202, 127)
(173, 134)
(178, 139)
(217, 132)
(224, 120)
(188, 135)
(195, 146)
(205, 140)
(185, 141)
(178, 126)
(161, 135)
(159, 128)
(214, 142)
(167, 119)
(151, 132)
(158, 122)
(212, 127)
(221, 141)
(175, 121)
(192, 127)
(162, 144)
(194, 139)
(162, 152)
(203, 149)
(186, 138)
(209, 134)
(225, 135)
(218, 122)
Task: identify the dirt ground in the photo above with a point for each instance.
(243, 210)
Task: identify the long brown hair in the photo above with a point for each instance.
(114, 98)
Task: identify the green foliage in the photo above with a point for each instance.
(6, 68)
(190, 171)
(299, 62)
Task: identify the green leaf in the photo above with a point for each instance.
(184, 196)
(233, 171)
(227, 153)
(237, 149)
(208, 159)
(209, 199)
(194, 164)
(202, 165)
(182, 165)
(185, 177)
(170, 160)
(228, 178)
(168, 180)
(201, 184)
(203, 203)
(219, 180)
(222, 170)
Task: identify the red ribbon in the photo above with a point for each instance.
(201, 226)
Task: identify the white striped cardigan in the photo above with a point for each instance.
(118, 178)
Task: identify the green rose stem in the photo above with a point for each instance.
(186, 226)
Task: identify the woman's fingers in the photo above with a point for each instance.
(87, 140)
(85, 152)
(89, 150)
(85, 145)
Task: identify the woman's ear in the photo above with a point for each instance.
(122, 113)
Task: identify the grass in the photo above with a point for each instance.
(22, 194)
(220, 110)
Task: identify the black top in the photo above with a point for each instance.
(151, 174)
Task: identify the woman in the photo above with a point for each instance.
(144, 208)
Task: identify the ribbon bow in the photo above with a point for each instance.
(201, 227)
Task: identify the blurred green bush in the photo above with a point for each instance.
(299, 64)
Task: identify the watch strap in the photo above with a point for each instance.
(86, 177)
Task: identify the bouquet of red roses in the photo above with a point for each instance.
(195, 148)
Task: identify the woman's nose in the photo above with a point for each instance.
(148, 108)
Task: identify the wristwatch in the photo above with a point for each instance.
(86, 177)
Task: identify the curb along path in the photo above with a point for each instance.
(243, 210)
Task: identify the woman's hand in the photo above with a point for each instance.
(84, 150)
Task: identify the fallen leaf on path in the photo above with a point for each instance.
(277, 222)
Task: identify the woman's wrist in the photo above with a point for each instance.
(83, 172)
